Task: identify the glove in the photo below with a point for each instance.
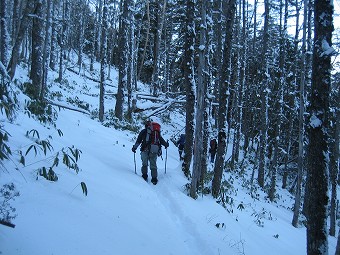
(133, 149)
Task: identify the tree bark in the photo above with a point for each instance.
(297, 203)
(334, 163)
(37, 63)
(223, 101)
(24, 24)
(4, 39)
(123, 59)
(201, 107)
(103, 62)
(317, 155)
(189, 85)
(264, 99)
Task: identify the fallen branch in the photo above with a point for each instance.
(68, 107)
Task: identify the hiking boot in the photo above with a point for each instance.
(145, 177)
(154, 181)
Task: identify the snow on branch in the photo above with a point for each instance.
(158, 105)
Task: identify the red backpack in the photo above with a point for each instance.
(213, 144)
(152, 137)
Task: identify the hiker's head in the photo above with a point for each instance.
(147, 123)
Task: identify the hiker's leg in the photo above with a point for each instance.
(144, 156)
(153, 164)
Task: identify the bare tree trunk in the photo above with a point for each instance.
(317, 154)
(63, 39)
(334, 164)
(47, 46)
(201, 107)
(264, 99)
(158, 38)
(37, 63)
(297, 203)
(222, 111)
(25, 22)
(146, 40)
(53, 54)
(279, 101)
(103, 62)
(236, 120)
(17, 11)
(189, 85)
(124, 54)
(4, 39)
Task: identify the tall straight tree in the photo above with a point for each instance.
(334, 161)
(200, 154)
(317, 153)
(123, 57)
(189, 81)
(47, 45)
(24, 24)
(263, 92)
(158, 37)
(278, 104)
(298, 190)
(223, 94)
(62, 39)
(53, 54)
(5, 38)
(103, 50)
(37, 50)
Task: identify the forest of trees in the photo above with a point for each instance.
(260, 76)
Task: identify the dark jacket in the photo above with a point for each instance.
(141, 139)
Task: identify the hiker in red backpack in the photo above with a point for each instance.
(150, 140)
(212, 150)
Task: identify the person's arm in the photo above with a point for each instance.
(138, 141)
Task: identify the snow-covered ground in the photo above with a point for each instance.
(122, 214)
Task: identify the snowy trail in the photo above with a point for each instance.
(168, 194)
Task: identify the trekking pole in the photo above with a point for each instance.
(166, 155)
(134, 158)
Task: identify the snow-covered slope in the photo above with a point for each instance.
(122, 214)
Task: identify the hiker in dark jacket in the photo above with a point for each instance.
(212, 150)
(180, 145)
(148, 156)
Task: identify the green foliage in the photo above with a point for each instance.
(241, 206)
(8, 192)
(84, 188)
(112, 121)
(71, 160)
(259, 217)
(69, 156)
(8, 100)
(56, 95)
(226, 194)
(39, 145)
(5, 150)
(41, 111)
(37, 108)
(79, 103)
(220, 225)
(8, 105)
(31, 91)
(48, 175)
